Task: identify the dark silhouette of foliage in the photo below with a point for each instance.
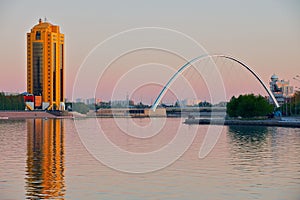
(248, 106)
(205, 104)
(11, 102)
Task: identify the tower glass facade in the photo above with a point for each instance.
(37, 56)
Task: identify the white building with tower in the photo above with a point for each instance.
(281, 89)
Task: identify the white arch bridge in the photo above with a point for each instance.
(188, 64)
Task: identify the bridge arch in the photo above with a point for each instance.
(188, 64)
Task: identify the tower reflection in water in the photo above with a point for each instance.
(45, 159)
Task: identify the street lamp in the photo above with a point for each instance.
(297, 92)
(296, 78)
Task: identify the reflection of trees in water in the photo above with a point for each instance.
(248, 134)
(45, 159)
(250, 146)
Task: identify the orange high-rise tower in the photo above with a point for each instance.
(45, 67)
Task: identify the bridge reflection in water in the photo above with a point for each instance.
(45, 159)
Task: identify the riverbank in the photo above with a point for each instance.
(29, 115)
(285, 122)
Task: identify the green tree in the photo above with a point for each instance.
(248, 106)
(11, 102)
(232, 107)
(293, 105)
(204, 104)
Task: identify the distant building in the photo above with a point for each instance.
(281, 89)
(189, 102)
(122, 103)
(88, 101)
(98, 101)
(91, 101)
(79, 100)
(45, 66)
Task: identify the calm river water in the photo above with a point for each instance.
(46, 159)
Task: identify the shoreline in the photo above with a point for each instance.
(11, 115)
(283, 122)
(237, 122)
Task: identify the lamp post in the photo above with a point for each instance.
(291, 106)
(296, 78)
(297, 92)
(286, 109)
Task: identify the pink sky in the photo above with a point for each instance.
(265, 35)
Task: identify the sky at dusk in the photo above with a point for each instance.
(263, 34)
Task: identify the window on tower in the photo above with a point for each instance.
(38, 35)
